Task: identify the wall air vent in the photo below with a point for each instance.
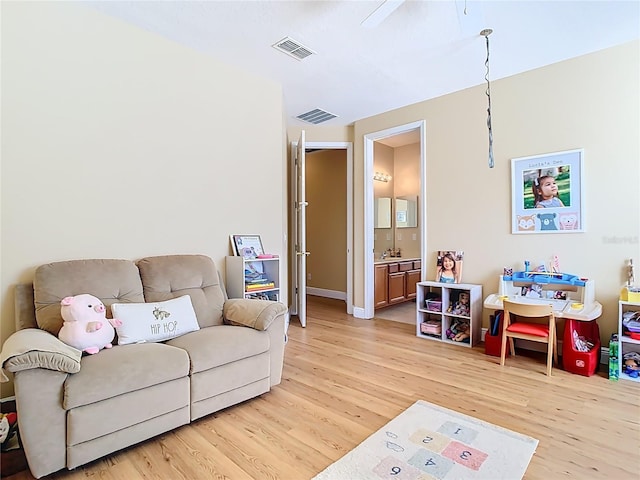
(316, 116)
(293, 48)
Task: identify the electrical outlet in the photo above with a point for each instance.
(308, 276)
(414, 237)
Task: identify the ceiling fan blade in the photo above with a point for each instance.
(381, 13)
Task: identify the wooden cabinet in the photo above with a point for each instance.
(412, 278)
(439, 314)
(381, 286)
(395, 282)
(396, 288)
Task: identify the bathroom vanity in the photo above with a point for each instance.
(395, 280)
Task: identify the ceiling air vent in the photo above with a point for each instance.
(316, 116)
(292, 48)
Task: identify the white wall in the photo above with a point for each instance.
(117, 143)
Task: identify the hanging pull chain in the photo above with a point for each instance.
(486, 32)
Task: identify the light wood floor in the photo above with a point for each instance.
(345, 378)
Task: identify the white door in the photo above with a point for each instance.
(300, 227)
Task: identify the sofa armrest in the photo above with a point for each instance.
(257, 314)
(42, 420)
(34, 348)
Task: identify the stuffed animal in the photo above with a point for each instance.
(459, 331)
(8, 428)
(85, 324)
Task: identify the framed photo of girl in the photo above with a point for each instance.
(449, 266)
(547, 193)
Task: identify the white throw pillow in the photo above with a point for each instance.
(154, 321)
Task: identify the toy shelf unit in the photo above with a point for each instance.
(571, 296)
(629, 340)
(444, 314)
(253, 278)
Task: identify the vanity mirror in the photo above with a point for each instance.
(407, 212)
(391, 215)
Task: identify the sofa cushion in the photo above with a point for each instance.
(155, 321)
(171, 276)
(109, 280)
(211, 347)
(123, 369)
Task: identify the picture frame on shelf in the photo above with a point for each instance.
(449, 266)
(247, 246)
(547, 193)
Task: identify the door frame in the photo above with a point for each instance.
(369, 140)
(348, 146)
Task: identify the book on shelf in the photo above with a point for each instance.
(259, 286)
(256, 281)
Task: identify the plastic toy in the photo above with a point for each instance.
(461, 307)
(631, 364)
(8, 428)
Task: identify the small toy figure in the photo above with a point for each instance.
(461, 307)
(631, 364)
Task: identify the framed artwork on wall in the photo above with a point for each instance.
(547, 193)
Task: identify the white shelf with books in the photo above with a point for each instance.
(253, 278)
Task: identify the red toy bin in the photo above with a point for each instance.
(574, 361)
(493, 343)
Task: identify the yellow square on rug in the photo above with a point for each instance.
(428, 442)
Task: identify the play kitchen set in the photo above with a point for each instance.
(573, 300)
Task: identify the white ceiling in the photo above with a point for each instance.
(422, 50)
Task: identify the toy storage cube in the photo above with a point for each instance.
(575, 361)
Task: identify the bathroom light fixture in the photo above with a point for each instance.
(382, 177)
(485, 33)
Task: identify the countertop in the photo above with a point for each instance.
(395, 260)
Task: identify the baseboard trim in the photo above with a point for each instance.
(358, 312)
(322, 292)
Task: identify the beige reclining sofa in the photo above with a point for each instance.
(73, 409)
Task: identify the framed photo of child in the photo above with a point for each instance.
(449, 266)
(547, 193)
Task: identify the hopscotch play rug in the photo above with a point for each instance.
(430, 442)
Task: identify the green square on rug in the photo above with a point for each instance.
(427, 442)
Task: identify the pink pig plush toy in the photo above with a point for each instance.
(85, 324)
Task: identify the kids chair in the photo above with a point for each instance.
(536, 332)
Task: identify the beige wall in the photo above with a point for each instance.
(406, 173)
(117, 143)
(326, 192)
(383, 163)
(590, 102)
